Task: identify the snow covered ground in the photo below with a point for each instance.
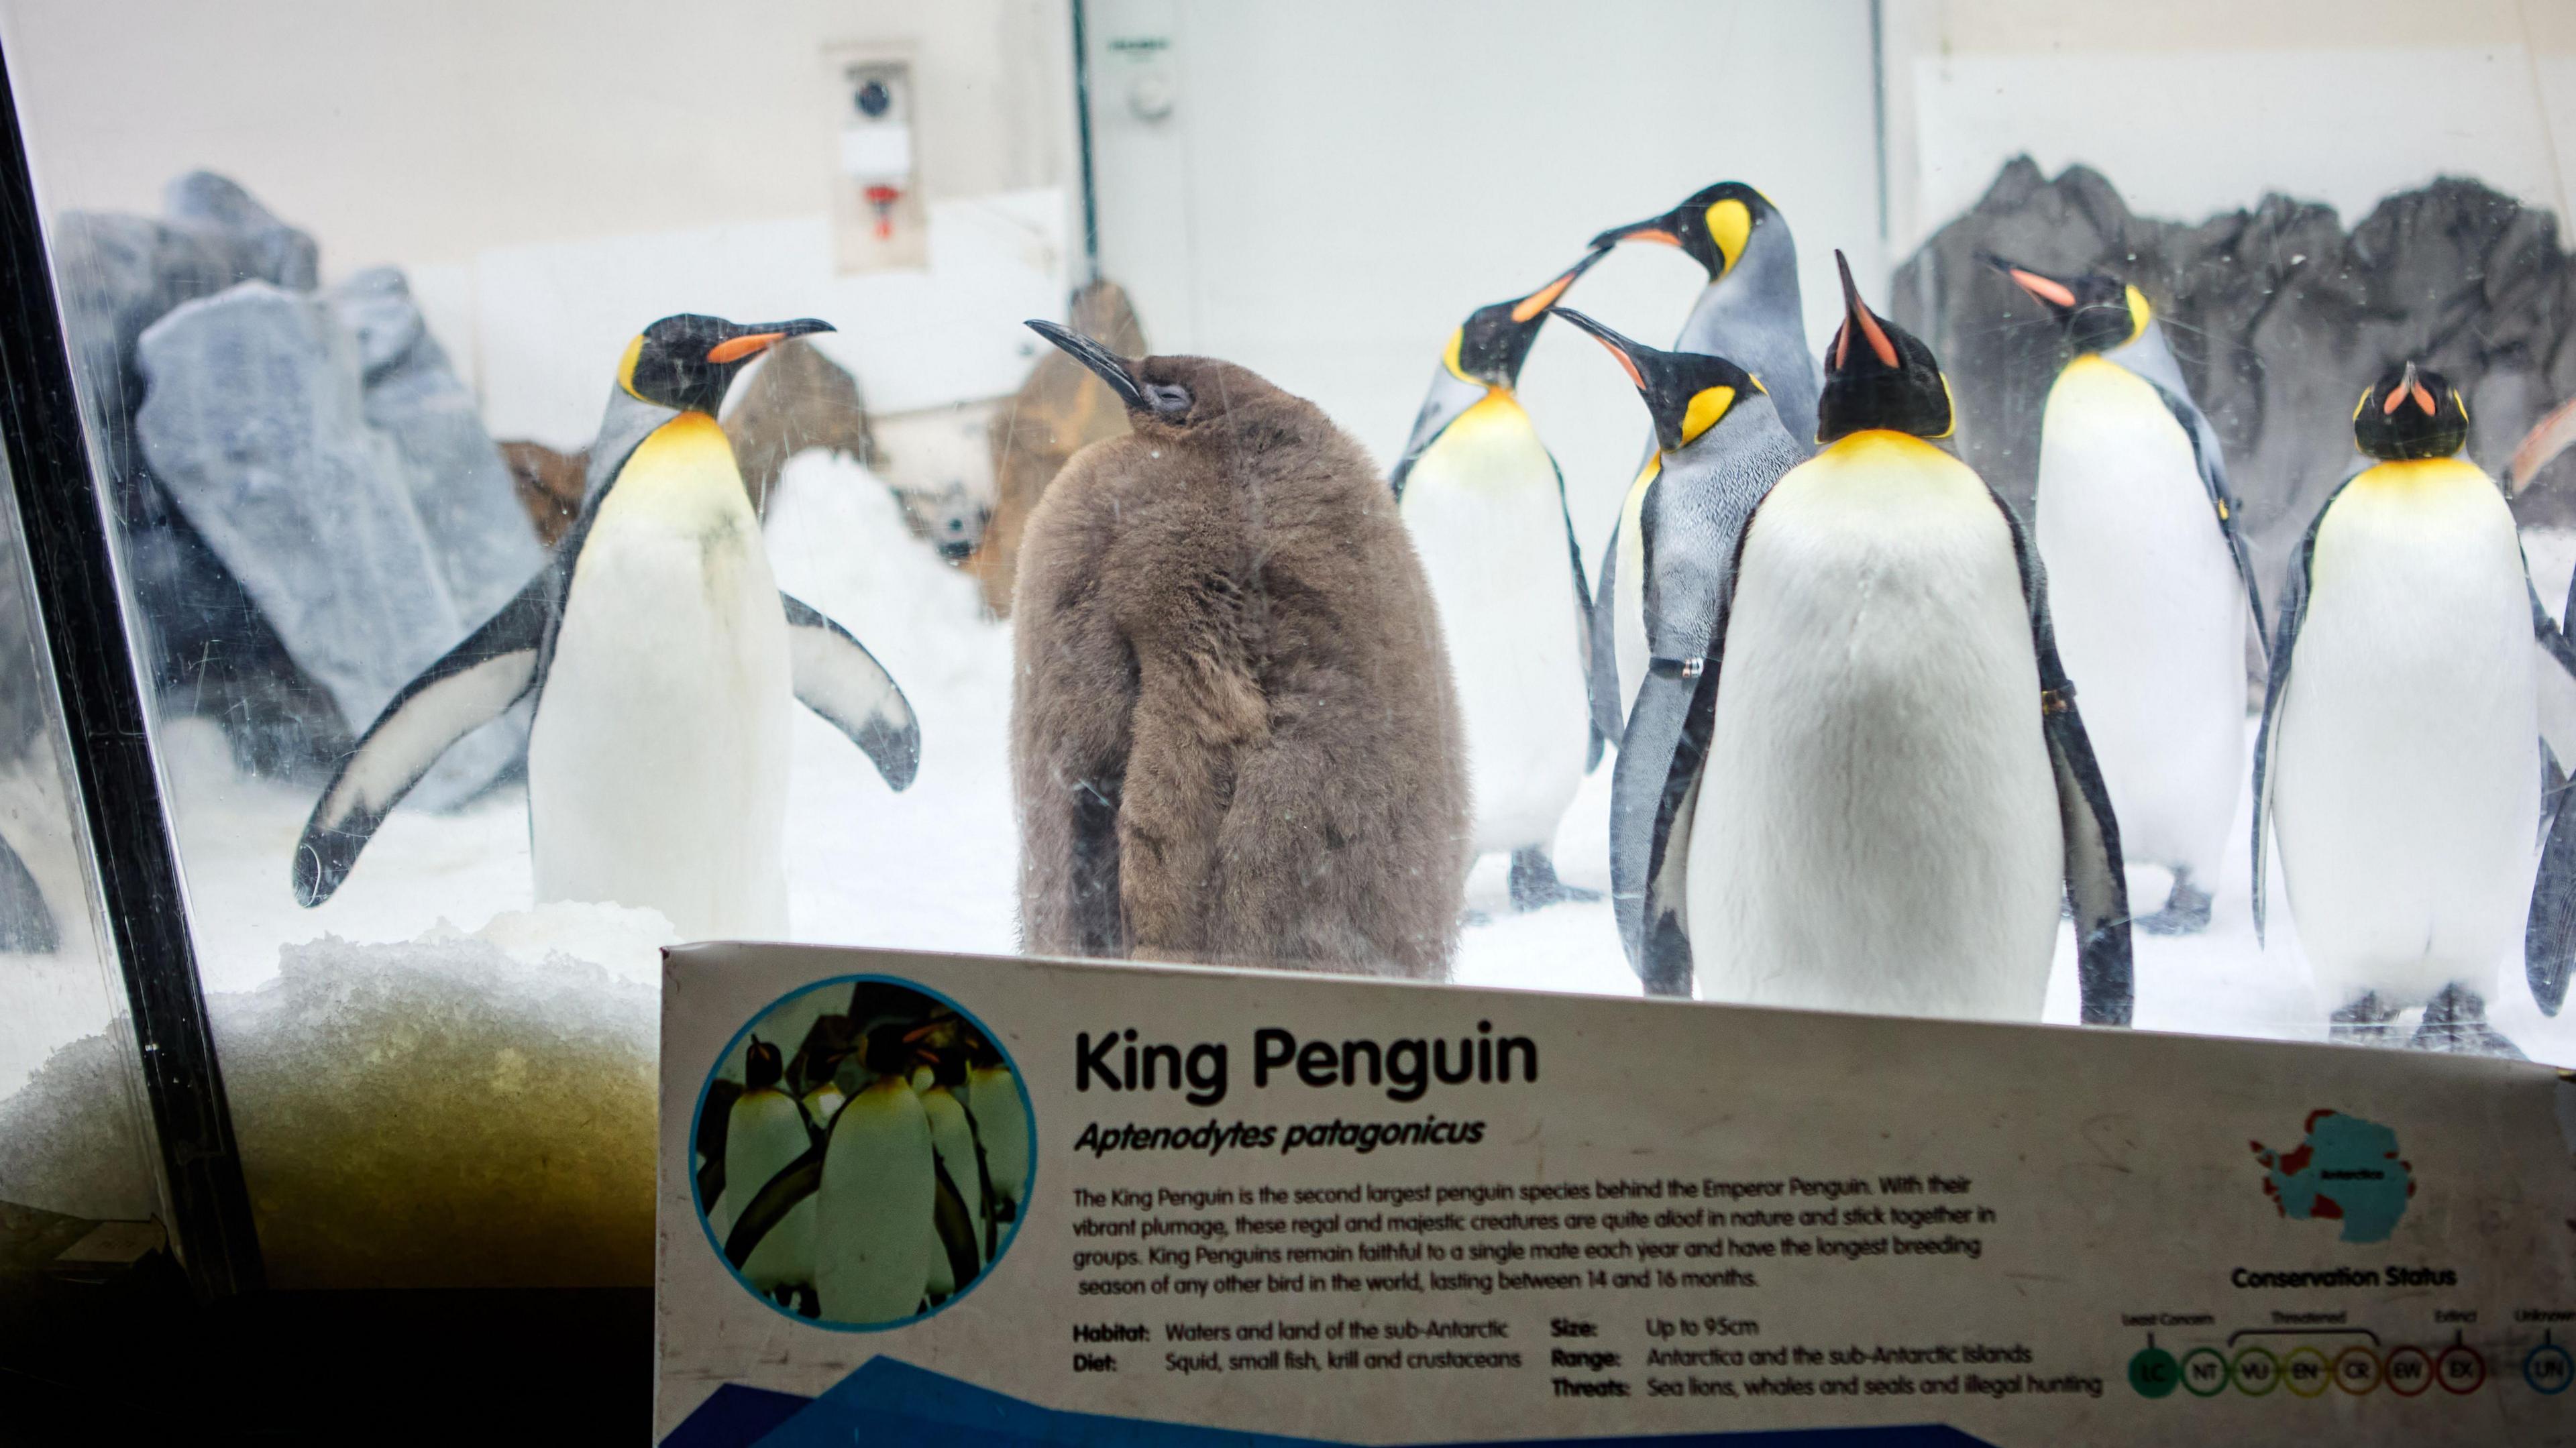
(447, 897)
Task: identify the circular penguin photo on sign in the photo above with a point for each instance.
(862, 1153)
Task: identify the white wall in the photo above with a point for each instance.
(556, 174)
(1340, 183)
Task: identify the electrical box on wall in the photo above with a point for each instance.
(879, 220)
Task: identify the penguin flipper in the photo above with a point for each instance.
(2285, 640)
(2097, 886)
(1660, 755)
(471, 686)
(956, 1228)
(2212, 461)
(836, 677)
(769, 1206)
(2097, 890)
(1602, 650)
(2555, 673)
(1584, 625)
(1682, 715)
(2549, 931)
(715, 1124)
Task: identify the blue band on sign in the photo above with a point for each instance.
(897, 1405)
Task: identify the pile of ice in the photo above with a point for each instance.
(460, 1110)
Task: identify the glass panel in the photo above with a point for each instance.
(350, 286)
(76, 1142)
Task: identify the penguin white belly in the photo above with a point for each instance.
(1629, 588)
(1488, 520)
(1878, 823)
(764, 1133)
(2149, 611)
(872, 1221)
(657, 766)
(2407, 786)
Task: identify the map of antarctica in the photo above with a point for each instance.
(2347, 1170)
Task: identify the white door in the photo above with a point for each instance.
(1322, 190)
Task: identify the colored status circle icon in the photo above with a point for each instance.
(2306, 1372)
(2459, 1369)
(2356, 1370)
(2204, 1372)
(2154, 1373)
(2408, 1372)
(2548, 1369)
(2256, 1371)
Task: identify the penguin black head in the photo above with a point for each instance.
(687, 361)
(1714, 227)
(1687, 392)
(887, 1052)
(1494, 341)
(2099, 311)
(761, 1068)
(2410, 414)
(1879, 376)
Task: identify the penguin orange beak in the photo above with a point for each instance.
(1857, 317)
(738, 348)
(2056, 293)
(1617, 346)
(1531, 307)
(760, 337)
(2407, 387)
(1653, 229)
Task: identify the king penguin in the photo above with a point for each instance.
(2416, 691)
(1719, 449)
(1234, 734)
(662, 657)
(1485, 504)
(1749, 313)
(768, 1131)
(1897, 794)
(2149, 584)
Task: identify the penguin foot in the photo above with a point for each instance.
(2186, 910)
(1468, 919)
(2364, 1022)
(1535, 886)
(2456, 1021)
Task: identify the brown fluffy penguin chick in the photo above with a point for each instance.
(1233, 736)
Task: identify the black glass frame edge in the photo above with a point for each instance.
(83, 620)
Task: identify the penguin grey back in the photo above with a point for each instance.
(1233, 735)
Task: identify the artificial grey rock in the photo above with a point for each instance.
(487, 549)
(2279, 317)
(204, 642)
(117, 275)
(254, 424)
